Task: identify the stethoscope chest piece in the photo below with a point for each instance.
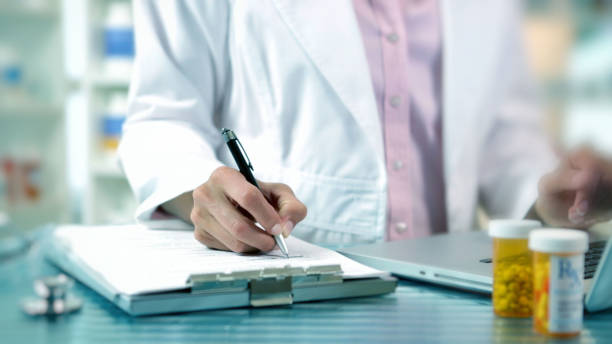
(53, 297)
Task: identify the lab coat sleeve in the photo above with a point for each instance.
(169, 138)
(517, 150)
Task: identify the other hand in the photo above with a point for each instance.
(578, 193)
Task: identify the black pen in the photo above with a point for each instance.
(245, 167)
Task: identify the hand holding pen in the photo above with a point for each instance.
(228, 205)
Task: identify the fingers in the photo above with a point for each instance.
(209, 232)
(583, 157)
(569, 179)
(584, 167)
(251, 199)
(576, 191)
(577, 212)
(587, 176)
(290, 209)
(569, 190)
(208, 240)
(242, 228)
(586, 182)
(557, 181)
(228, 212)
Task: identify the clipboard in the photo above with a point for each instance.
(260, 287)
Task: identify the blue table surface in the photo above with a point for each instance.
(416, 312)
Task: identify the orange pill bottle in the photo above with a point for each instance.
(558, 265)
(512, 267)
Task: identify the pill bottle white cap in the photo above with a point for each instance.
(558, 241)
(512, 229)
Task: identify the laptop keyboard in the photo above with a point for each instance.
(591, 258)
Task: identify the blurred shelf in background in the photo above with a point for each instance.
(107, 169)
(570, 50)
(30, 111)
(33, 188)
(29, 10)
(99, 52)
(103, 81)
(106, 81)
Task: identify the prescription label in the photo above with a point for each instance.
(566, 288)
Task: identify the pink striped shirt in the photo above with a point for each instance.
(402, 41)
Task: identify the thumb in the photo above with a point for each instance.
(577, 212)
(586, 182)
(290, 209)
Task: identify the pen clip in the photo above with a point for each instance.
(245, 155)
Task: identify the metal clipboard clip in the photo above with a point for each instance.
(267, 287)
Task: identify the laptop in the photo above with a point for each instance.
(463, 260)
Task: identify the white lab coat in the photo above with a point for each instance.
(291, 79)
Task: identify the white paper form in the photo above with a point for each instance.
(134, 259)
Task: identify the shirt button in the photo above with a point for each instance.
(395, 101)
(398, 164)
(392, 37)
(401, 227)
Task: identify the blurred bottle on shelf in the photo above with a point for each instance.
(3, 186)
(30, 170)
(20, 181)
(112, 122)
(10, 176)
(118, 40)
(11, 76)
